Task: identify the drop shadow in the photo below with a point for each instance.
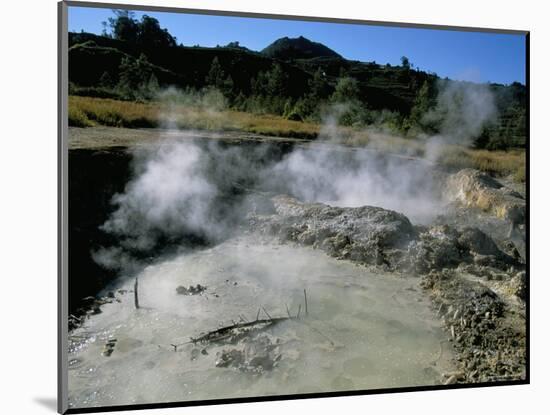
(48, 403)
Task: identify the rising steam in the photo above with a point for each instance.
(463, 109)
(184, 187)
(169, 194)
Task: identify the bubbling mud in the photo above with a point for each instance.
(363, 330)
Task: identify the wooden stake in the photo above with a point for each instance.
(136, 298)
(305, 298)
(299, 309)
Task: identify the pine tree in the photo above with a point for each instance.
(216, 75)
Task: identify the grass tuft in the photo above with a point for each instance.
(78, 118)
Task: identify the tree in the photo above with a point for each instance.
(228, 87)
(270, 90)
(272, 83)
(152, 87)
(136, 77)
(147, 32)
(422, 104)
(276, 82)
(216, 75)
(405, 63)
(104, 31)
(350, 110)
(257, 84)
(129, 14)
(124, 26)
(347, 90)
(318, 86)
(234, 45)
(152, 35)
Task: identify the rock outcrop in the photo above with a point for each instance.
(473, 188)
(367, 234)
(374, 236)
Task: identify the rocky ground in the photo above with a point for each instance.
(475, 275)
(471, 262)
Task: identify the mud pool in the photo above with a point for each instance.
(364, 329)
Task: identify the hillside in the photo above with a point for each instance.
(290, 77)
(90, 56)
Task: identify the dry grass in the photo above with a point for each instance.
(87, 111)
(113, 113)
(499, 163)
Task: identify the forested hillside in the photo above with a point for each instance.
(296, 78)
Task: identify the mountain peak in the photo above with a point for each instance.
(298, 48)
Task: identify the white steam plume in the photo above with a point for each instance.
(463, 109)
(184, 187)
(361, 177)
(169, 194)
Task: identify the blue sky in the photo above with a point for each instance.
(471, 56)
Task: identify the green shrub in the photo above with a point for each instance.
(77, 118)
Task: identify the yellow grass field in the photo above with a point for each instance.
(86, 111)
(89, 112)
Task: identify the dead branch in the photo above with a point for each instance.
(244, 327)
(229, 331)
